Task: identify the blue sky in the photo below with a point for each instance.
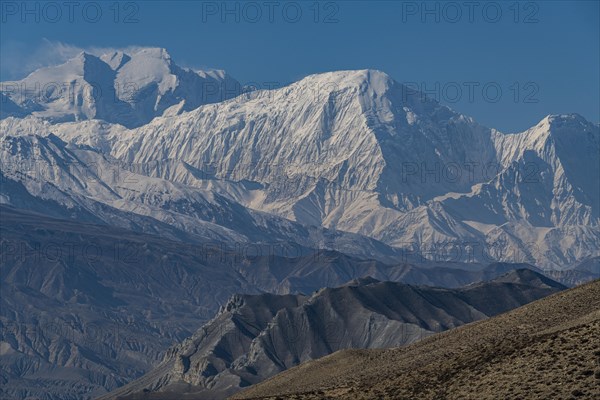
(507, 64)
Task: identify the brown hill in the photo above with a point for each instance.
(548, 349)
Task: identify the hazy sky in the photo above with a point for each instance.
(507, 64)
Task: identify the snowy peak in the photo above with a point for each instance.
(568, 143)
(82, 68)
(125, 88)
(557, 126)
(148, 66)
(74, 66)
(336, 80)
(116, 59)
(154, 52)
(145, 57)
(83, 57)
(372, 88)
(571, 122)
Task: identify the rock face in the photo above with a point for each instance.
(255, 337)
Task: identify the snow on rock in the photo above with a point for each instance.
(352, 151)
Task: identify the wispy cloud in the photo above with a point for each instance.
(18, 60)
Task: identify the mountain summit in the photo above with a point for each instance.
(125, 88)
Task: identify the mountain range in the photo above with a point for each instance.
(138, 196)
(354, 153)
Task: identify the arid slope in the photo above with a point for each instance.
(548, 349)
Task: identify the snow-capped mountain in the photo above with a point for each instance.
(350, 151)
(128, 89)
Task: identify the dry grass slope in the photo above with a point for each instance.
(549, 349)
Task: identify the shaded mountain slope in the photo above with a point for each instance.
(546, 349)
(241, 347)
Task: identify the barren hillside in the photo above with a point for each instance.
(548, 349)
